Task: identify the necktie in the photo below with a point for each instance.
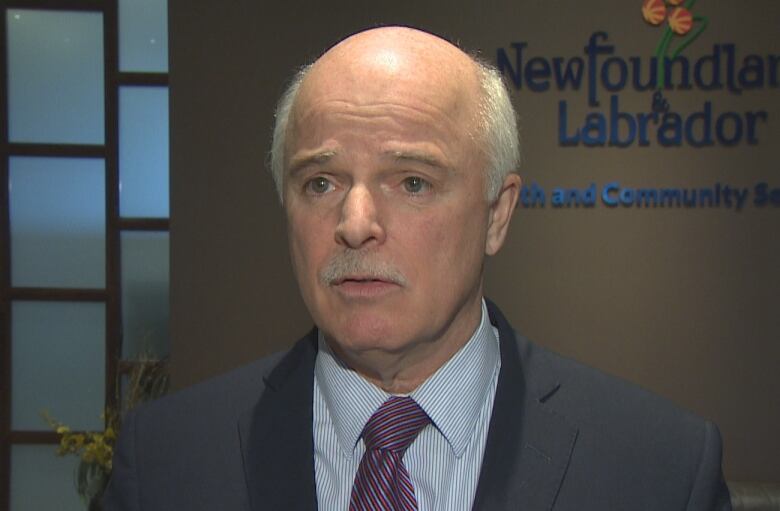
(382, 482)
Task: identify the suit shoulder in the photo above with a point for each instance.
(631, 445)
(229, 393)
(591, 396)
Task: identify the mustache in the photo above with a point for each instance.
(354, 263)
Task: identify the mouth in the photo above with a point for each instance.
(359, 279)
(364, 286)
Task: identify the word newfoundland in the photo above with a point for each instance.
(608, 124)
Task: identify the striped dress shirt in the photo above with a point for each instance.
(444, 461)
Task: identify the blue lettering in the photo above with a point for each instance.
(606, 192)
(589, 196)
(752, 65)
(636, 72)
(685, 80)
(642, 120)
(504, 65)
(615, 118)
(720, 128)
(773, 62)
(563, 137)
(573, 197)
(765, 195)
(626, 196)
(670, 130)
(537, 69)
(705, 130)
(751, 118)
(591, 50)
(712, 82)
(728, 49)
(532, 196)
(761, 194)
(572, 75)
(594, 131)
(622, 74)
(558, 197)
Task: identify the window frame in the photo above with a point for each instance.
(111, 295)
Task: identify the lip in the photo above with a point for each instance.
(364, 288)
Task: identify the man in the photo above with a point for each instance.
(395, 157)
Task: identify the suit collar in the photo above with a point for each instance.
(526, 456)
(528, 447)
(276, 435)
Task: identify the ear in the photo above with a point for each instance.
(501, 213)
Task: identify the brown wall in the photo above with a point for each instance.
(682, 301)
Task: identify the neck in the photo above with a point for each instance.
(403, 371)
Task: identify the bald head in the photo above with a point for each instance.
(384, 57)
(372, 44)
(393, 62)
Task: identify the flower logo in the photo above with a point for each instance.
(680, 22)
(680, 19)
(654, 11)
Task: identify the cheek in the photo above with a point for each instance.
(307, 244)
(444, 245)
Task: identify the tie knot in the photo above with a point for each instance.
(395, 425)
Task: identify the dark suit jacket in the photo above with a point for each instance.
(562, 436)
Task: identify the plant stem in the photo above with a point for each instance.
(660, 55)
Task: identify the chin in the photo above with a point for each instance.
(363, 332)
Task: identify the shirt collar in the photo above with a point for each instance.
(452, 397)
(349, 398)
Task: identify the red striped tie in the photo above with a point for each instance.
(382, 482)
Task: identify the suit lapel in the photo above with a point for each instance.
(276, 435)
(528, 447)
(526, 455)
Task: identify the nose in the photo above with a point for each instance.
(359, 225)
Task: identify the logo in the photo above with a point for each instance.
(680, 21)
(664, 75)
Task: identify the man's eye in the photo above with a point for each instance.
(416, 185)
(319, 185)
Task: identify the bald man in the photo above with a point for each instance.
(395, 156)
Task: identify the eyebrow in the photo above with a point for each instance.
(417, 156)
(318, 158)
(322, 157)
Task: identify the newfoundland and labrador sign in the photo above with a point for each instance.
(603, 74)
(607, 124)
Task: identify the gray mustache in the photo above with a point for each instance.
(352, 263)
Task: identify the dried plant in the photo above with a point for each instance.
(147, 379)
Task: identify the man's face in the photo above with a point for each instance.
(385, 199)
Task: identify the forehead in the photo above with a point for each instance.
(434, 86)
(403, 106)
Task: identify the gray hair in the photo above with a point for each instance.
(497, 128)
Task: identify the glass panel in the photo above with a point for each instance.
(58, 364)
(143, 35)
(42, 480)
(145, 293)
(55, 70)
(143, 151)
(57, 222)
